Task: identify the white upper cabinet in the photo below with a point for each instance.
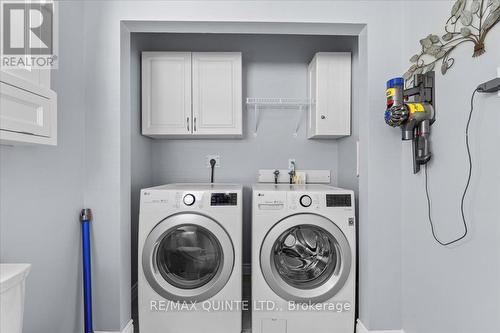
(188, 94)
(329, 90)
(166, 93)
(36, 76)
(217, 100)
(28, 107)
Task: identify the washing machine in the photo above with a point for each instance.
(190, 252)
(303, 259)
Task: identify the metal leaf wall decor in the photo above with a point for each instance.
(470, 22)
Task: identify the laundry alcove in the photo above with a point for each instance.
(274, 65)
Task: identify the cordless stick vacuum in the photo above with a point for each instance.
(413, 111)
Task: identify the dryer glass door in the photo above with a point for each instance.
(188, 257)
(306, 258)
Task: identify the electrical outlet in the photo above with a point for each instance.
(291, 161)
(215, 157)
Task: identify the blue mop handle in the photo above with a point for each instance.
(86, 218)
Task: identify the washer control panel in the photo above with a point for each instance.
(303, 200)
(314, 200)
(270, 200)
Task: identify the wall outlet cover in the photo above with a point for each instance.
(215, 157)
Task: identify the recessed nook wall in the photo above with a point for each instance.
(273, 66)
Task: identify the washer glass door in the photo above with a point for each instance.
(306, 258)
(188, 257)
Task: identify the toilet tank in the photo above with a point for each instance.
(12, 284)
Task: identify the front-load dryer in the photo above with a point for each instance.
(190, 250)
(303, 259)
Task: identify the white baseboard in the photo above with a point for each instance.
(360, 328)
(129, 328)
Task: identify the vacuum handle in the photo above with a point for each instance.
(85, 219)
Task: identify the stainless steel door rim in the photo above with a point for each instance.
(176, 291)
(330, 285)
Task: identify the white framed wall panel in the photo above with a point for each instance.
(166, 93)
(217, 93)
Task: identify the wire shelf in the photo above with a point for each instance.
(294, 104)
(278, 103)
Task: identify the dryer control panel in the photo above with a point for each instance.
(190, 199)
(338, 200)
(223, 199)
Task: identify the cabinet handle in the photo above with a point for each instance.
(195, 124)
(187, 122)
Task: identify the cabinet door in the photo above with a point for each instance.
(166, 93)
(330, 93)
(24, 112)
(36, 76)
(217, 104)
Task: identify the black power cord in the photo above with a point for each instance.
(212, 166)
(466, 230)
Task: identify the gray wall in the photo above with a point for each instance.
(273, 66)
(380, 266)
(448, 290)
(396, 251)
(347, 147)
(141, 149)
(41, 194)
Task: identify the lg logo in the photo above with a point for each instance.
(28, 28)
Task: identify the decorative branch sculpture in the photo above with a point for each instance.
(470, 22)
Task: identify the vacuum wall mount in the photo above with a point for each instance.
(413, 111)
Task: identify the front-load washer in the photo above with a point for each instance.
(190, 252)
(303, 259)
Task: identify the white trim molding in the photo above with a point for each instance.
(129, 328)
(360, 328)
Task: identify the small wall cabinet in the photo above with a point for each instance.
(329, 90)
(28, 107)
(191, 94)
